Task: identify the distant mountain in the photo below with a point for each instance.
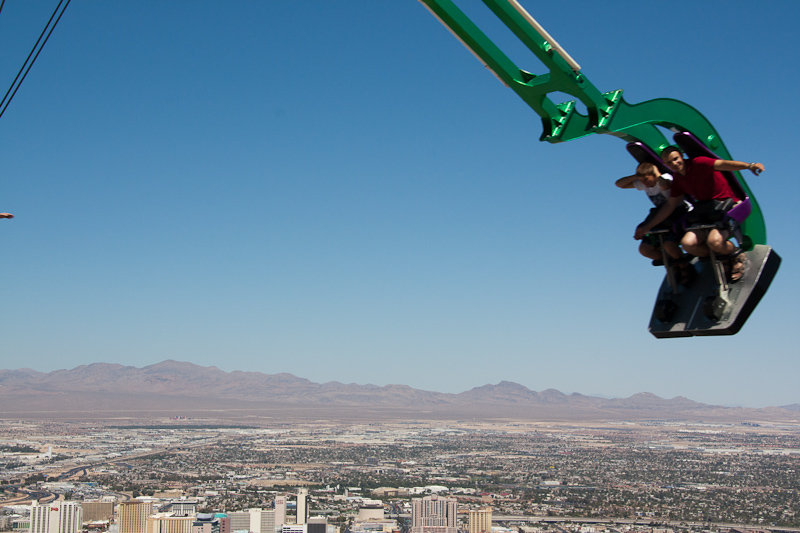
(645, 400)
(173, 387)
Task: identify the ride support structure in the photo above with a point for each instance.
(637, 124)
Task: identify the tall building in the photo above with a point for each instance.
(56, 517)
(224, 523)
(312, 525)
(133, 516)
(240, 521)
(280, 512)
(268, 521)
(302, 506)
(207, 523)
(97, 510)
(184, 507)
(255, 520)
(317, 525)
(167, 523)
(480, 520)
(434, 514)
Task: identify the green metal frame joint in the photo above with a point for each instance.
(606, 113)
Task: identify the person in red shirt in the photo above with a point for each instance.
(701, 178)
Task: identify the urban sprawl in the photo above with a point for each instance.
(180, 475)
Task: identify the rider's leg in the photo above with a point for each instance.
(649, 251)
(673, 250)
(693, 242)
(718, 241)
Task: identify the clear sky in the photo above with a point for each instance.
(339, 190)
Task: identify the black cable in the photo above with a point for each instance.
(4, 103)
(13, 83)
(20, 73)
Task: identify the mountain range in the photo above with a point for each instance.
(173, 388)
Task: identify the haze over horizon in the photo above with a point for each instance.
(183, 377)
(340, 191)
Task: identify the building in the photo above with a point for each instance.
(302, 506)
(375, 526)
(168, 523)
(56, 517)
(224, 523)
(209, 523)
(132, 516)
(21, 524)
(390, 492)
(317, 525)
(267, 521)
(480, 520)
(434, 514)
(369, 510)
(280, 512)
(97, 511)
(240, 521)
(184, 507)
(254, 520)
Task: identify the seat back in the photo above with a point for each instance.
(643, 154)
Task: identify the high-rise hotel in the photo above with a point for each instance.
(133, 516)
(434, 514)
(56, 517)
(480, 520)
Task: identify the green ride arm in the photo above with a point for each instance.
(606, 113)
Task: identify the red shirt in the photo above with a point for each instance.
(702, 181)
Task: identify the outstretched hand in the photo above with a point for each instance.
(6, 215)
(756, 168)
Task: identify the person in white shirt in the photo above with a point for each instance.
(657, 187)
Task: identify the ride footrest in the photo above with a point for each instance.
(701, 309)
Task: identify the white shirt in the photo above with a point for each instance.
(658, 196)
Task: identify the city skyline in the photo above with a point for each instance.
(665, 473)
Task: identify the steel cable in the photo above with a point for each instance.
(23, 72)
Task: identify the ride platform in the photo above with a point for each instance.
(708, 307)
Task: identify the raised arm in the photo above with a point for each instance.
(724, 164)
(626, 182)
(6, 215)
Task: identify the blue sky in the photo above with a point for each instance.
(339, 190)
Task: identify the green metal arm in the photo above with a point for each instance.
(606, 113)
